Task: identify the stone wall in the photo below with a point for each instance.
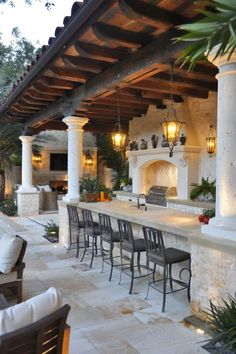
(198, 115)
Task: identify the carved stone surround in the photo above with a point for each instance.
(185, 159)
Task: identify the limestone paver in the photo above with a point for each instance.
(103, 317)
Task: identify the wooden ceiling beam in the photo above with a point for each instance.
(56, 83)
(40, 97)
(154, 85)
(150, 14)
(41, 89)
(95, 51)
(160, 95)
(112, 34)
(146, 59)
(67, 74)
(32, 102)
(186, 82)
(84, 64)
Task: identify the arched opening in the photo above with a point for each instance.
(158, 173)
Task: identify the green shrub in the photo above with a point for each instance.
(223, 319)
(51, 229)
(8, 207)
(203, 189)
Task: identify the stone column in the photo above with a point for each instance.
(224, 223)
(75, 154)
(27, 195)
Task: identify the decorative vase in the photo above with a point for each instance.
(133, 146)
(143, 145)
(154, 140)
(182, 139)
(164, 142)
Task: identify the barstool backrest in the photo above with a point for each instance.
(73, 215)
(126, 232)
(154, 243)
(88, 220)
(105, 224)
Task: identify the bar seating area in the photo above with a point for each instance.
(130, 249)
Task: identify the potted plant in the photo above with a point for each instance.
(51, 231)
(206, 215)
(205, 190)
(126, 184)
(223, 320)
(91, 188)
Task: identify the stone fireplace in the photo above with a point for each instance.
(155, 167)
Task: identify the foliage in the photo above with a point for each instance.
(203, 189)
(90, 184)
(126, 181)
(223, 318)
(51, 229)
(209, 212)
(9, 145)
(216, 28)
(47, 4)
(8, 207)
(112, 158)
(13, 61)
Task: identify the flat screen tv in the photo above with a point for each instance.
(58, 162)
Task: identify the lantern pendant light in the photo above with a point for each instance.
(211, 142)
(118, 136)
(171, 125)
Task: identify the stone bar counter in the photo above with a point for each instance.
(213, 259)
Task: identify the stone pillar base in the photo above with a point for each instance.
(27, 203)
(63, 224)
(70, 199)
(224, 227)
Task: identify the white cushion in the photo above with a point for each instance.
(8, 278)
(10, 248)
(30, 311)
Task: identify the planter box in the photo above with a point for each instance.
(91, 197)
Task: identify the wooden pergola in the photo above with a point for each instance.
(106, 44)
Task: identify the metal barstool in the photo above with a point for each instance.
(131, 245)
(165, 257)
(110, 237)
(91, 229)
(75, 226)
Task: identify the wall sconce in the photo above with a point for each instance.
(88, 159)
(211, 142)
(37, 158)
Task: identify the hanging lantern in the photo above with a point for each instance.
(88, 159)
(171, 125)
(211, 142)
(118, 136)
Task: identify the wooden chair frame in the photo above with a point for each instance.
(16, 285)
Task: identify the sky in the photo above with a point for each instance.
(35, 22)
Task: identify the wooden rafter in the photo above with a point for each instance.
(125, 38)
(84, 64)
(150, 14)
(67, 74)
(94, 51)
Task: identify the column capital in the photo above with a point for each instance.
(26, 139)
(221, 60)
(74, 122)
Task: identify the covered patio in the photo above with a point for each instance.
(115, 56)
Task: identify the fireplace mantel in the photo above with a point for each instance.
(185, 158)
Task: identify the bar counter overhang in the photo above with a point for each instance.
(213, 259)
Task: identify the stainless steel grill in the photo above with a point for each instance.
(157, 195)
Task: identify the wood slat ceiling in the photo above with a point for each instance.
(83, 73)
